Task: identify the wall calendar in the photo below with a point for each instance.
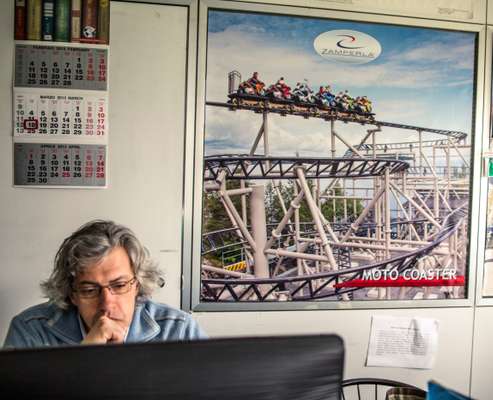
(60, 115)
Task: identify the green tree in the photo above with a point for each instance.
(274, 211)
(216, 218)
(214, 215)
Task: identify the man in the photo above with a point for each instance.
(254, 80)
(99, 293)
(255, 85)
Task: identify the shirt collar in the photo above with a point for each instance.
(65, 326)
(82, 327)
(143, 327)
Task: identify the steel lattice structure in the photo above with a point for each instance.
(272, 107)
(250, 167)
(415, 217)
(249, 287)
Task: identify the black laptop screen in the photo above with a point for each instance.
(301, 368)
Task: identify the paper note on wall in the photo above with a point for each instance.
(402, 342)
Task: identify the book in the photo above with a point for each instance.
(104, 21)
(33, 19)
(75, 21)
(62, 20)
(20, 20)
(48, 19)
(89, 21)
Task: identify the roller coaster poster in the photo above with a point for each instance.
(337, 160)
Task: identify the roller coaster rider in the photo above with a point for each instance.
(280, 90)
(321, 96)
(254, 90)
(344, 101)
(328, 96)
(253, 86)
(362, 105)
(303, 93)
(281, 85)
(366, 104)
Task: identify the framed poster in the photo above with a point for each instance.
(336, 160)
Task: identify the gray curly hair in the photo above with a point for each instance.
(87, 246)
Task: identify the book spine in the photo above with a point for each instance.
(20, 20)
(33, 19)
(89, 20)
(48, 21)
(75, 25)
(62, 21)
(104, 21)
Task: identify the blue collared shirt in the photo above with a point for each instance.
(48, 325)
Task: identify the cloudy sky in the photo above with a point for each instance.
(423, 77)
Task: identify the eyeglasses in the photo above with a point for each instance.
(92, 291)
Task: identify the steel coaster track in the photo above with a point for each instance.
(406, 145)
(382, 149)
(220, 240)
(259, 167)
(440, 171)
(263, 288)
(286, 108)
(453, 134)
(225, 238)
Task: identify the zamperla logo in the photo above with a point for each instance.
(346, 46)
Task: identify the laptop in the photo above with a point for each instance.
(259, 368)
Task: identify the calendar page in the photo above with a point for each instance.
(55, 114)
(44, 66)
(47, 164)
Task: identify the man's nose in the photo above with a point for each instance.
(106, 296)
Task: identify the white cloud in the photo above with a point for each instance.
(403, 110)
(234, 133)
(458, 56)
(247, 52)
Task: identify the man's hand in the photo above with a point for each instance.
(105, 330)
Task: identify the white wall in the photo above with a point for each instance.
(454, 356)
(147, 114)
(481, 382)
